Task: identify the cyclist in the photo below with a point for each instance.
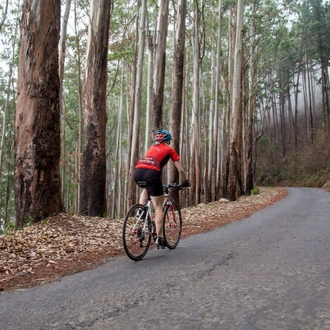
(149, 169)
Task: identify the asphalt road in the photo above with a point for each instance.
(268, 271)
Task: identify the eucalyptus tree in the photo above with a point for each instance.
(93, 177)
(122, 78)
(234, 167)
(300, 32)
(263, 22)
(177, 84)
(271, 55)
(62, 52)
(319, 30)
(288, 63)
(159, 65)
(9, 57)
(115, 194)
(216, 154)
(194, 168)
(37, 122)
(8, 86)
(137, 99)
(72, 113)
(249, 129)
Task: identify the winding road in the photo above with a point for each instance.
(268, 271)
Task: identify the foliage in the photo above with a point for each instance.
(255, 191)
(9, 228)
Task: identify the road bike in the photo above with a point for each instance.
(139, 230)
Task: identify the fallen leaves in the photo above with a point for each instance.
(67, 243)
(60, 239)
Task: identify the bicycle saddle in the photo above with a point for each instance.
(142, 184)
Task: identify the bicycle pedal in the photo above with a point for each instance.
(160, 243)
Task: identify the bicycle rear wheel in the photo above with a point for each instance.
(172, 225)
(136, 232)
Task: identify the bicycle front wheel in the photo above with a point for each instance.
(172, 225)
(136, 233)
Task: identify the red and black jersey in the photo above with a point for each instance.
(157, 157)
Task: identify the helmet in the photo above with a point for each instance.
(162, 135)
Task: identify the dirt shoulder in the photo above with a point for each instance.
(67, 244)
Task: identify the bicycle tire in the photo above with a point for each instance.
(172, 225)
(136, 235)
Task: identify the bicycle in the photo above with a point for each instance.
(139, 228)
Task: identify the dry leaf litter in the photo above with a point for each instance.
(65, 244)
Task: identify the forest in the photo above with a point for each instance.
(242, 85)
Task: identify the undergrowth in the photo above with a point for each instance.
(308, 166)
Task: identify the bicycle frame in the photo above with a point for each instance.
(168, 201)
(139, 218)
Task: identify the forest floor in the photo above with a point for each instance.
(66, 244)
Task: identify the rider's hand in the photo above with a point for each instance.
(185, 183)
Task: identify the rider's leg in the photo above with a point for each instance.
(157, 202)
(144, 197)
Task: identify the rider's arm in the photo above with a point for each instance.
(180, 170)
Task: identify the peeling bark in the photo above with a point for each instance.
(37, 122)
(93, 185)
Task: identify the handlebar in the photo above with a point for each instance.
(174, 185)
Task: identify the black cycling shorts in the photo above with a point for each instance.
(153, 178)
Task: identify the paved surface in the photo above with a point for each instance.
(269, 271)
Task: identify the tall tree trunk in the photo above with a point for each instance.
(210, 163)
(137, 100)
(305, 95)
(62, 50)
(93, 190)
(216, 153)
(9, 97)
(37, 122)
(159, 69)
(8, 185)
(249, 182)
(61, 76)
(226, 122)
(234, 175)
(310, 104)
(195, 139)
(130, 119)
(115, 191)
(177, 88)
(282, 115)
(296, 91)
(79, 143)
(148, 132)
(184, 134)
